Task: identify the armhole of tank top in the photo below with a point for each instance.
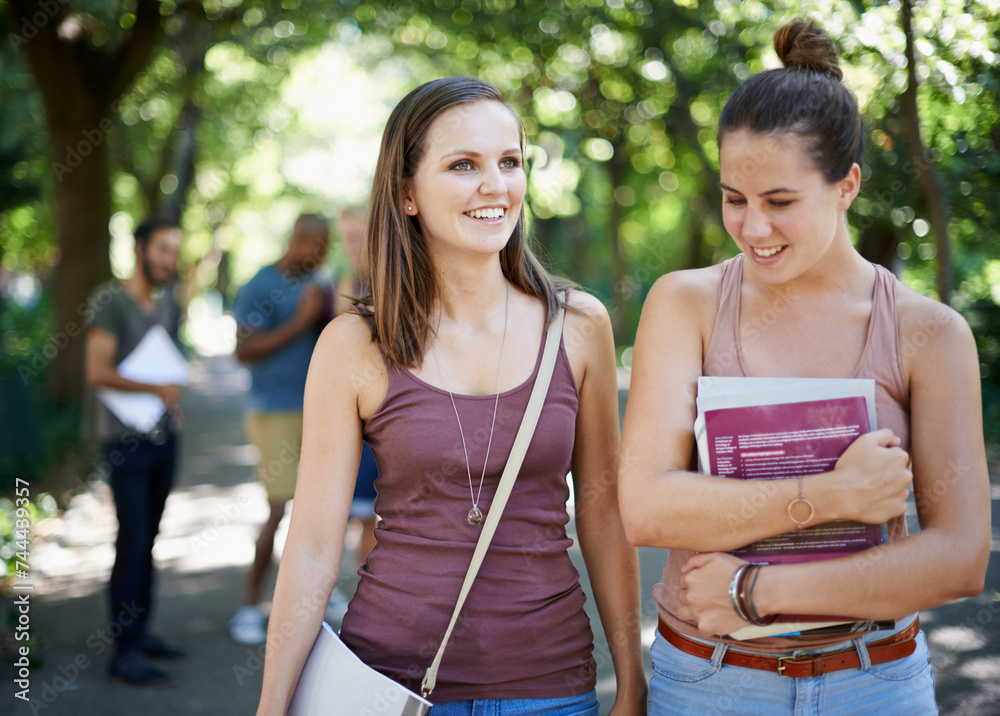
(884, 312)
(889, 281)
(720, 295)
(881, 301)
(563, 357)
(563, 353)
(390, 375)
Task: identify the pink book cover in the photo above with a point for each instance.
(767, 442)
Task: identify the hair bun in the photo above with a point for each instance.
(803, 45)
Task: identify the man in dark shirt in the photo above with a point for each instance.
(141, 464)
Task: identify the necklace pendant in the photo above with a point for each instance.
(475, 516)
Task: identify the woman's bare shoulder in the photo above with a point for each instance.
(930, 330)
(345, 349)
(689, 284)
(920, 314)
(584, 304)
(346, 333)
(690, 294)
(587, 331)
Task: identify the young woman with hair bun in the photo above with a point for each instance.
(799, 301)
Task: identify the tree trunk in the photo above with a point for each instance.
(696, 254)
(878, 242)
(184, 150)
(698, 212)
(625, 295)
(79, 87)
(83, 210)
(937, 201)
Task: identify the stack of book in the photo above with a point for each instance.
(784, 428)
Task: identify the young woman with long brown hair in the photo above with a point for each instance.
(434, 372)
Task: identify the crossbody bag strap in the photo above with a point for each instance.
(524, 435)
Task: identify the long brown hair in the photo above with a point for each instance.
(400, 272)
(805, 97)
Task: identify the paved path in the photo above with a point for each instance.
(206, 542)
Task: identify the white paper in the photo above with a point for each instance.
(155, 360)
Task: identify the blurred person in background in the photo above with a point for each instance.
(279, 314)
(348, 287)
(141, 464)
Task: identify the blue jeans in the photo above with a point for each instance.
(686, 684)
(583, 705)
(142, 472)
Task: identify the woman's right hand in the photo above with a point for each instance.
(874, 479)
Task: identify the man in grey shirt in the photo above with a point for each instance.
(141, 464)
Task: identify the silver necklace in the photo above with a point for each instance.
(475, 515)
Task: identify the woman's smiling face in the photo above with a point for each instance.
(469, 186)
(778, 207)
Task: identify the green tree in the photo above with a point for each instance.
(94, 62)
(82, 63)
(620, 99)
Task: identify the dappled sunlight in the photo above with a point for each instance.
(339, 115)
(956, 638)
(203, 532)
(203, 528)
(207, 329)
(243, 455)
(205, 525)
(227, 376)
(985, 668)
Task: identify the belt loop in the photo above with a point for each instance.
(863, 657)
(720, 651)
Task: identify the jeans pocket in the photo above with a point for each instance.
(676, 665)
(907, 668)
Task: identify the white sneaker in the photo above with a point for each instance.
(336, 608)
(247, 626)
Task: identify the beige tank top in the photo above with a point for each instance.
(880, 360)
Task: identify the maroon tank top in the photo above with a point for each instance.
(522, 632)
(880, 360)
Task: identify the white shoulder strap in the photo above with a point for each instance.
(521, 442)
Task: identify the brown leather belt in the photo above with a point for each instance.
(896, 646)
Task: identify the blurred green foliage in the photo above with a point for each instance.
(34, 434)
(984, 317)
(26, 225)
(620, 99)
(14, 546)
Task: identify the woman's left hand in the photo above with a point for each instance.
(704, 593)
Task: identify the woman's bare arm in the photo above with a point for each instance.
(947, 558)
(331, 452)
(664, 503)
(612, 564)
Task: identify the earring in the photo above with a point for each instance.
(409, 208)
